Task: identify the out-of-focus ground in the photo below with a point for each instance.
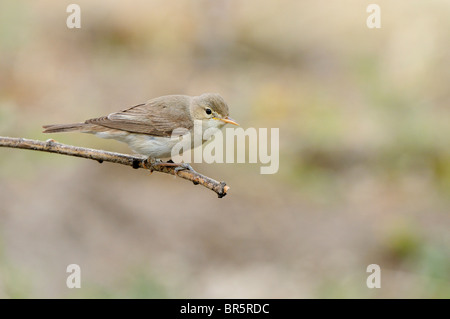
(364, 150)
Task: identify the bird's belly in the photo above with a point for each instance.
(150, 146)
(153, 146)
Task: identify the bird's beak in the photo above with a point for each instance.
(228, 120)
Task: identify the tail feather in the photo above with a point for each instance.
(57, 128)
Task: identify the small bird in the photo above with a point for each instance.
(147, 128)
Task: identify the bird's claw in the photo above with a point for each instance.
(183, 167)
(177, 167)
(149, 163)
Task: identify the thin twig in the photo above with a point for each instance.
(103, 156)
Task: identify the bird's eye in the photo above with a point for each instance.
(208, 111)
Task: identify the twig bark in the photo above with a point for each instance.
(52, 146)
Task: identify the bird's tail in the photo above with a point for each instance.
(57, 128)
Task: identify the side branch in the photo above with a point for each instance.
(52, 146)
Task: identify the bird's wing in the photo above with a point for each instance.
(157, 117)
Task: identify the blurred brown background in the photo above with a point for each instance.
(364, 160)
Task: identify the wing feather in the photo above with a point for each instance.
(157, 117)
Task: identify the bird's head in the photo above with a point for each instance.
(212, 110)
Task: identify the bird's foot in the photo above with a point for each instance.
(178, 166)
(150, 162)
(183, 167)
